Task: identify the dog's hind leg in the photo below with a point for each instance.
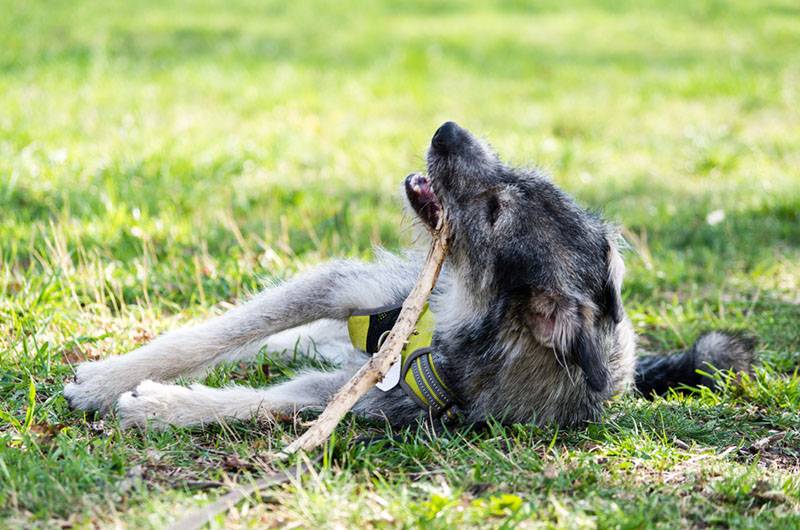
(331, 291)
(323, 340)
(165, 404)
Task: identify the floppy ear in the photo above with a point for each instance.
(566, 326)
(590, 359)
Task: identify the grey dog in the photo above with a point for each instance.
(528, 321)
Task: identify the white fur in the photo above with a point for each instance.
(616, 266)
(324, 339)
(160, 404)
(164, 404)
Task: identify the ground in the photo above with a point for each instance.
(161, 160)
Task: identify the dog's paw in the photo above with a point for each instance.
(97, 386)
(153, 404)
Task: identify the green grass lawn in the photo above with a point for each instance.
(160, 160)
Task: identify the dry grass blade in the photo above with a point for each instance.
(198, 518)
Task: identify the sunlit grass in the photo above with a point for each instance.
(161, 160)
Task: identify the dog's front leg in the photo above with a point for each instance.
(161, 404)
(331, 291)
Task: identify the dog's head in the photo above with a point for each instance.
(518, 241)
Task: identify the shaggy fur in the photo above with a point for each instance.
(530, 325)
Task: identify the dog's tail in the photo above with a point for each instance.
(717, 350)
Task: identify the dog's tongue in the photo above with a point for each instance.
(422, 198)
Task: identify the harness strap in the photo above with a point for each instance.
(421, 381)
(419, 377)
(366, 328)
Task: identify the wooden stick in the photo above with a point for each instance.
(375, 369)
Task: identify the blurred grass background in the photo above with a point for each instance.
(159, 160)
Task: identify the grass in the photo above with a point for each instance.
(161, 160)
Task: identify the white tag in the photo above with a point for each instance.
(392, 377)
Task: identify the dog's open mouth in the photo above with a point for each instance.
(424, 201)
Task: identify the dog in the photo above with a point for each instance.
(525, 324)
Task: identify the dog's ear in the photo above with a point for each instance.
(565, 325)
(590, 359)
(611, 297)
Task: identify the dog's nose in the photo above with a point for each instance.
(446, 137)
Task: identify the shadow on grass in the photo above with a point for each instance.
(321, 220)
(671, 229)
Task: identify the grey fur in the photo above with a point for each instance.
(530, 325)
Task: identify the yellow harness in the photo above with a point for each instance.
(418, 374)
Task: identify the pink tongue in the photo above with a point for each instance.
(424, 199)
(425, 188)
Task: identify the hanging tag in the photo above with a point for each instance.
(392, 377)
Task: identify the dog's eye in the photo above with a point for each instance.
(492, 209)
